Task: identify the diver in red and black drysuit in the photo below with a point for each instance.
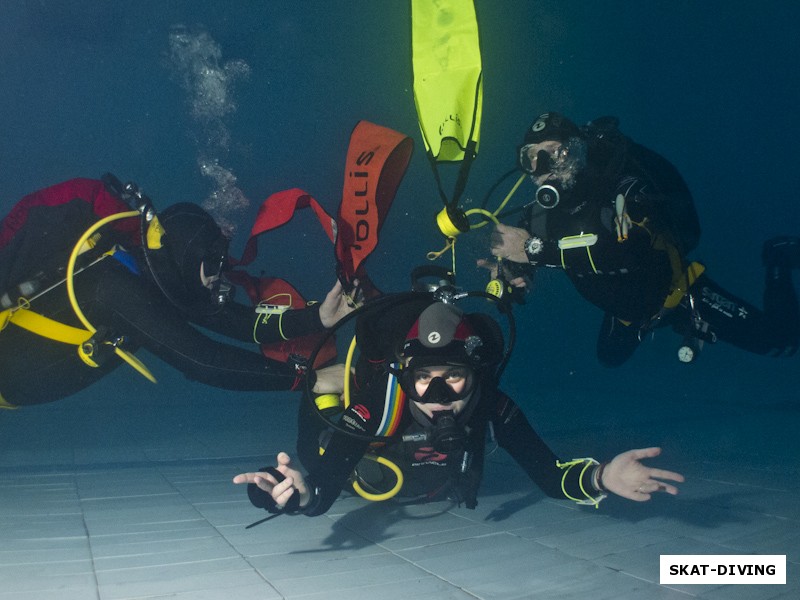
(137, 297)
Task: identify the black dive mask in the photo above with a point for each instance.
(547, 161)
(438, 391)
(544, 161)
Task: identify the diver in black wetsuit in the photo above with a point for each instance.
(449, 379)
(620, 221)
(151, 299)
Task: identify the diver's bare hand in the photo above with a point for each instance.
(626, 476)
(338, 304)
(280, 491)
(509, 243)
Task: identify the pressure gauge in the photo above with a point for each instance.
(685, 354)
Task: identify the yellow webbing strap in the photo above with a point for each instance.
(40, 325)
(682, 279)
(67, 334)
(682, 285)
(135, 363)
(47, 327)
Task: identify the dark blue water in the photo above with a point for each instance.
(96, 86)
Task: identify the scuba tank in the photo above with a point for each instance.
(26, 289)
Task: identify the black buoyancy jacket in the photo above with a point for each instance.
(629, 279)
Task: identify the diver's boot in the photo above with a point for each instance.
(782, 252)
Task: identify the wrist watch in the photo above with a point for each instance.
(533, 246)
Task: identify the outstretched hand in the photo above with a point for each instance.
(626, 476)
(280, 492)
(338, 304)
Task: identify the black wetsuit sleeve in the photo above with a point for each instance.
(126, 304)
(546, 254)
(328, 472)
(515, 435)
(607, 255)
(287, 325)
(242, 323)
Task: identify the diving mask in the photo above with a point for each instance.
(545, 160)
(437, 391)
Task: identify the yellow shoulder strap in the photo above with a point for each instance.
(47, 327)
(683, 283)
(43, 326)
(682, 278)
(448, 88)
(67, 334)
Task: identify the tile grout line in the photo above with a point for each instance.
(220, 534)
(411, 562)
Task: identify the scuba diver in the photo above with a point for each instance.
(619, 220)
(146, 289)
(431, 372)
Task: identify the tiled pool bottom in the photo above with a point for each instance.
(134, 501)
(178, 530)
